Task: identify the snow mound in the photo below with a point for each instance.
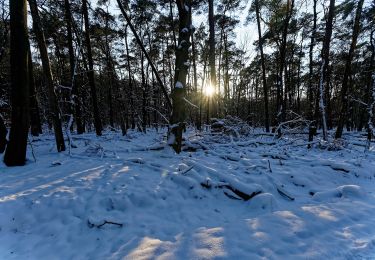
(264, 201)
(345, 191)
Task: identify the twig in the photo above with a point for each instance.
(91, 225)
(269, 165)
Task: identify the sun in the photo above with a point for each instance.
(209, 90)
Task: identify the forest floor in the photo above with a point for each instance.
(131, 197)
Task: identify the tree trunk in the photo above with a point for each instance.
(35, 122)
(172, 23)
(370, 95)
(91, 74)
(195, 77)
(52, 98)
(211, 21)
(264, 79)
(76, 107)
(282, 103)
(347, 72)
(15, 154)
(312, 127)
(181, 71)
(132, 110)
(324, 73)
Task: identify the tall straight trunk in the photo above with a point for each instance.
(282, 103)
(264, 79)
(299, 72)
(226, 68)
(15, 153)
(132, 110)
(76, 107)
(320, 102)
(195, 77)
(172, 23)
(52, 98)
(370, 95)
(218, 79)
(35, 122)
(202, 90)
(194, 57)
(181, 71)
(110, 72)
(312, 128)
(144, 96)
(311, 63)
(212, 59)
(91, 74)
(348, 70)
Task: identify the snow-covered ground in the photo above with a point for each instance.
(120, 197)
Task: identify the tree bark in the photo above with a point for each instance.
(52, 98)
(181, 71)
(348, 72)
(15, 154)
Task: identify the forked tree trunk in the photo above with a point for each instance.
(52, 99)
(15, 154)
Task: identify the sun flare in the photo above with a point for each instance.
(209, 90)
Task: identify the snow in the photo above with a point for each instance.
(132, 197)
(179, 85)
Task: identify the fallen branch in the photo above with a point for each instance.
(91, 225)
(244, 196)
(283, 194)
